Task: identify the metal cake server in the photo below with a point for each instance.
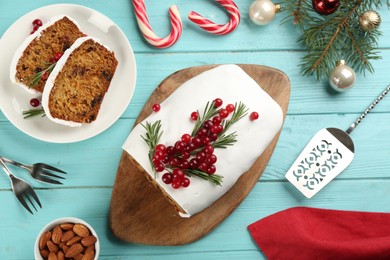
(326, 155)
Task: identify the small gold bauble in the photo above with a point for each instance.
(369, 21)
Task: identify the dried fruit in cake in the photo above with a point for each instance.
(38, 50)
(75, 90)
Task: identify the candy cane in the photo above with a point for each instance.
(220, 29)
(146, 29)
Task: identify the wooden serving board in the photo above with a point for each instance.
(138, 211)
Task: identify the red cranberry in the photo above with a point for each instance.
(185, 155)
(208, 124)
(176, 184)
(178, 174)
(201, 156)
(159, 167)
(174, 162)
(180, 146)
(162, 148)
(185, 182)
(156, 107)
(34, 102)
(194, 116)
(254, 116)
(217, 120)
(184, 165)
(203, 166)
(45, 75)
(57, 56)
(37, 22)
(211, 169)
(212, 159)
(186, 138)
(223, 113)
(209, 149)
(213, 136)
(171, 150)
(218, 102)
(230, 108)
(167, 178)
(203, 132)
(194, 163)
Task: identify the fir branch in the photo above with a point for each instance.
(328, 39)
(33, 112)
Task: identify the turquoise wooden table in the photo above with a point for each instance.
(92, 164)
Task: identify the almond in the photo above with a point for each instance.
(89, 255)
(44, 253)
(89, 240)
(60, 255)
(73, 240)
(90, 248)
(56, 235)
(43, 240)
(67, 226)
(81, 230)
(74, 250)
(78, 257)
(52, 256)
(67, 235)
(52, 247)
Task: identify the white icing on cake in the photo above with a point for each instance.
(232, 85)
(19, 52)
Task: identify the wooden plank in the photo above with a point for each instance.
(94, 162)
(231, 237)
(248, 36)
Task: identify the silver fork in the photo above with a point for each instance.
(39, 171)
(21, 189)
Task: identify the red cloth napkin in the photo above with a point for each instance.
(309, 233)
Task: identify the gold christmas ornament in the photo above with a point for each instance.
(369, 21)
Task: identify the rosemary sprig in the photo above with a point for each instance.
(38, 76)
(228, 140)
(154, 133)
(214, 178)
(152, 137)
(33, 112)
(208, 113)
(225, 140)
(239, 112)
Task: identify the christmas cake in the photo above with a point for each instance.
(181, 120)
(39, 50)
(78, 83)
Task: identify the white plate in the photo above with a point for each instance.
(14, 99)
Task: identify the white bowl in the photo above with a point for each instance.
(56, 222)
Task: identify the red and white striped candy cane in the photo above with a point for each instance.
(146, 29)
(220, 29)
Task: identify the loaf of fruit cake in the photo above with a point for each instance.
(77, 85)
(190, 167)
(36, 56)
